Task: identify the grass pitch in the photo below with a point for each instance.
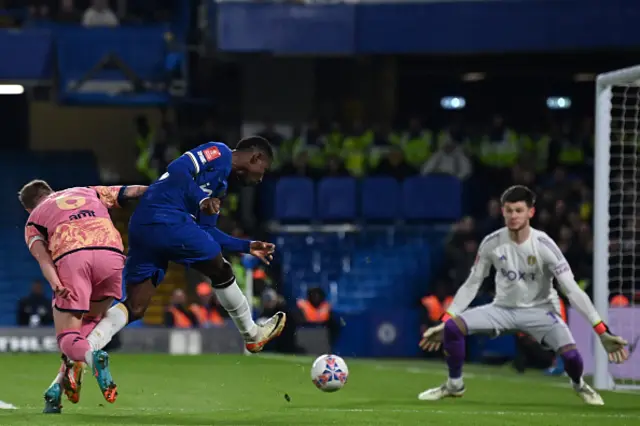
(239, 390)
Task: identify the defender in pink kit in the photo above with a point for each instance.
(81, 255)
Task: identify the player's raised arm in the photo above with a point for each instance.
(118, 196)
(559, 267)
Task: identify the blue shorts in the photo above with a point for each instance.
(152, 246)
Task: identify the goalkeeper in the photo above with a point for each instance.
(526, 262)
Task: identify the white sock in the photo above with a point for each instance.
(115, 320)
(456, 383)
(234, 302)
(58, 379)
(88, 358)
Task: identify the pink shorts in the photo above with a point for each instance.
(91, 276)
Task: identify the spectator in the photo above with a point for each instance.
(270, 133)
(207, 309)
(35, 309)
(450, 159)
(394, 165)
(99, 15)
(335, 167)
(435, 305)
(68, 12)
(299, 166)
(316, 310)
(272, 302)
(417, 143)
(178, 314)
(494, 220)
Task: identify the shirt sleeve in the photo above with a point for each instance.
(226, 241)
(559, 267)
(33, 234)
(110, 196)
(479, 271)
(189, 165)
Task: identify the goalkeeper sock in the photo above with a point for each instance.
(234, 302)
(573, 365)
(114, 320)
(454, 350)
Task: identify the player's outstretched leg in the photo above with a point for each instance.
(100, 368)
(235, 303)
(574, 368)
(454, 350)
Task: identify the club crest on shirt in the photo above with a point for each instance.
(531, 260)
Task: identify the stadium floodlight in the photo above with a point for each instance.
(453, 102)
(616, 213)
(558, 102)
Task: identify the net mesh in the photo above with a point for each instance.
(624, 223)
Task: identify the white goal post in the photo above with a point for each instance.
(617, 129)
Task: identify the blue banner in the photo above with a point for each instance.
(286, 28)
(389, 334)
(428, 27)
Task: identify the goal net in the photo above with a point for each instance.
(617, 221)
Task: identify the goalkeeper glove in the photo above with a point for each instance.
(432, 338)
(614, 345)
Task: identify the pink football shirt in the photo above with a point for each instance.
(75, 219)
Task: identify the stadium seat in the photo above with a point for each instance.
(336, 199)
(380, 199)
(295, 199)
(436, 197)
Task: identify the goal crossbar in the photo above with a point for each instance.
(618, 77)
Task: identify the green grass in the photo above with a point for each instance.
(238, 390)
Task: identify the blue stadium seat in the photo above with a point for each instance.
(336, 199)
(434, 197)
(380, 199)
(295, 199)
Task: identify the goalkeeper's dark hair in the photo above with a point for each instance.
(255, 143)
(518, 193)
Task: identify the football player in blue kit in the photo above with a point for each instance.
(175, 222)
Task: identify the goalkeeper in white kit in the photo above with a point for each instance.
(526, 261)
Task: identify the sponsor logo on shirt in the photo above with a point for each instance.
(82, 214)
(512, 275)
(211, 153)
(561, 268)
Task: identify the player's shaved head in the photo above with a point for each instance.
(518, 193)
(256, 144)
(33, 192)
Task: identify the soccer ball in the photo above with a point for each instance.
(329, 373)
